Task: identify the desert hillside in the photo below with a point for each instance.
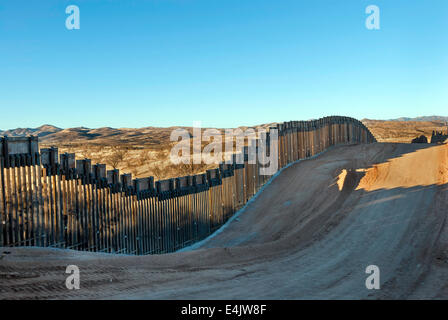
(141, 151)
(403, 131)
(145, 151)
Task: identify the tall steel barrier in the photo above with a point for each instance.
(49, 199)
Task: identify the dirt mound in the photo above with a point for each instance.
(310, 234)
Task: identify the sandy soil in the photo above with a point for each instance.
(309, 235)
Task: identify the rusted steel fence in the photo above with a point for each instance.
(52, 200)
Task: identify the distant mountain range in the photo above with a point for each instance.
(438, 119)
(23, 132)
(424, 118)
(51, 135)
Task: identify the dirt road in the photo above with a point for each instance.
(309, 235)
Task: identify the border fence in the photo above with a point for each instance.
(52, 200)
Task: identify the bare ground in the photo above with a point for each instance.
(309, 235)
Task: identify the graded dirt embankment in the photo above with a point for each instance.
(309, 235)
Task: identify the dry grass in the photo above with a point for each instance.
(138, 160)
(143, 152)
(403, 131)
(146, 151)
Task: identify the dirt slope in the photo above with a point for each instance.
(309, 235)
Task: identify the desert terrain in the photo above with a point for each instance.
(404, 130)
(145, 151)
(309, 234)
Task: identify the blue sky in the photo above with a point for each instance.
(223, 62)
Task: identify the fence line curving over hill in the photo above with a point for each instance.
(52, 200)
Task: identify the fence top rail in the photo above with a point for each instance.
(18, 145)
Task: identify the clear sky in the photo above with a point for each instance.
(223, 62)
